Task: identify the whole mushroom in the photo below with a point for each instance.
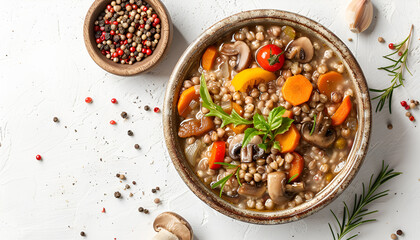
(171, 226)
(240, 49)
(301, 49)
(248, 153)
(323, 135)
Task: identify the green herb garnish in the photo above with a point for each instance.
(290, 179)
(353, 219)
(270, 128)
(313, 126)
(274, 58)
(395, 70)
(222, 182)
(216, 110)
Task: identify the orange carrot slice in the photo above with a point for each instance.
(208, 58)
(328, 82)
(289, 140)
(217, 155)
(297, 90)
(296, 167)
(342, 112)
(185, 99)
(288, 114)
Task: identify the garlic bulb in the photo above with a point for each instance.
(359, 15)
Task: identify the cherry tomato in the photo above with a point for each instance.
(270, 57)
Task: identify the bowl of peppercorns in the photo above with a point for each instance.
(127, 37)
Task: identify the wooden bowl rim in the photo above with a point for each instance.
(125, 69)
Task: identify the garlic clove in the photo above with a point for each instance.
(359, 15)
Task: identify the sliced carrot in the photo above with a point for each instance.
(185, 99)
(240, 128)
(297, 90)
(342, 112)
(250, 77)
(296, 167)
(217, 155)
(289, 140)
(288, 114)
(328, 82)
(208, 58)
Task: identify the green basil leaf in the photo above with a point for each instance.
(249, 134)
(260, 123)
(276, 145)
(275, 117)
(287, 122)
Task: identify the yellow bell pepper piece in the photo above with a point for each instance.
(251, 77)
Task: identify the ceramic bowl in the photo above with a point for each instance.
(171, 122)
(146, 64)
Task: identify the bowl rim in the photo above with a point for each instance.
(125, 69)
(355, 157)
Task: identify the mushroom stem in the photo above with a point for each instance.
(164, 234)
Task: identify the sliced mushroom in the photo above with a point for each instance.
(235, 146)
(251, 151)
(170, 224)
(323, 135)
(251, 191)
(301, 49)
(295, 187)
(242, 50)
(276, 186)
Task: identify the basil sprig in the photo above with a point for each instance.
(274, 125)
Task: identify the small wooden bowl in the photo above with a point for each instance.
(125, 69)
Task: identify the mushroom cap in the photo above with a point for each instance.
(235, 146)
(302, 49)
(175, 224)
(323, 135)
(241, 49)
(275, 184)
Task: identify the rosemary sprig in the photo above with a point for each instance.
(222, 182)
(353, 219)
(396, 71)
(313, 126)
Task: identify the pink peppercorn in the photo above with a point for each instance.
(156, 110)
(38, 157)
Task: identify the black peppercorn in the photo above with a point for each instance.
(102, 23)
(146, 108)
(106, 48)
(136, 146)
(82, 234)
(117, 194)
(107, 36)
(116, 38)
(55, 119)
(141, 209)
(130, 133)
(124, 115)
(107, 28)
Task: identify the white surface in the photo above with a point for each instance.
(45, 71)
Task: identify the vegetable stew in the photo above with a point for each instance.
(267, 117)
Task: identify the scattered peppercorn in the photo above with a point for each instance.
(156, 110)
(130, 133)
(112, 122)
(113, 100)
(55, 119)
(122, 176)
(390, 126)
(408, 114)
(136, 146)
(146, 108)
(134, 183)
(127, 186)
(393, 236)
(412, 118)
(153, 190)
(141, 209)
(103, 210)
(38, 157)
(403, 103)
(88, 100)
(381, 39)
(399, 232)
(82, 234)
(391, 46)
(158, 188)
(117, 194)
(117, 175)
(146, 211)
(413, 105)
(157, 200)
(124, 115)
(350, 39)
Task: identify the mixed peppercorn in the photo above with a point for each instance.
(127, 31)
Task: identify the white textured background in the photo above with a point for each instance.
(45, 71)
